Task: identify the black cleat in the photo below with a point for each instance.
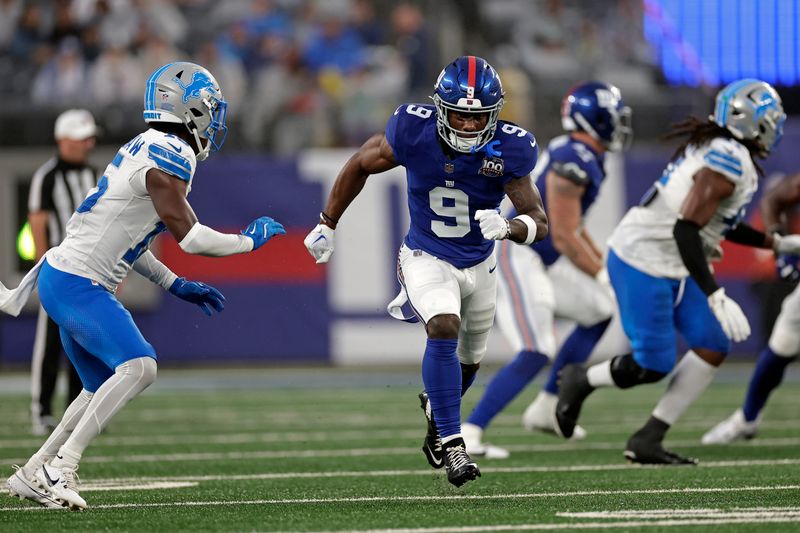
(432, 445)
(647, 451)
(573, 388)
(458, 465)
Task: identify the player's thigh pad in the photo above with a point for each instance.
(525, 299)
(92, 371)
(695, 320)
(645, 306)
(785, 337)
(579, 297)
(477, 311)
(430, 283)
(92, 316)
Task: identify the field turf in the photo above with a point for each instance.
(338, 450)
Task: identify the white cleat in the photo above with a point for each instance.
(541, 416)
(733, 428)
(25, 489)
(475, 448)
(62, 484)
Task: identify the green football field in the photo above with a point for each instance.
(338, 450)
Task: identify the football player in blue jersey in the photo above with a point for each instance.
(460, 162)
(141, 194)
(658, 263)
(563, 275)
(784, 341)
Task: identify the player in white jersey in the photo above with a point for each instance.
(658, 264)
(784, 342)
(142, 193)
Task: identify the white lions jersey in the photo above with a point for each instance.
(644, 238)
(117, 221)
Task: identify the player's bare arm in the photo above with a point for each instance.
(374, 156)
(169, 198)
(565, 224)
(526, 200)
(38, 222)
(778, 201)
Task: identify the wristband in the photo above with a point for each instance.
(531, 225)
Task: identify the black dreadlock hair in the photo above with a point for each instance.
(701, 132)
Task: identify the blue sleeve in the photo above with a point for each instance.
(524, 157)
(170, 162)
(394, 135)
(568, 163)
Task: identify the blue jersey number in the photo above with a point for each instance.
(88, 203)
(134, 253)
(452, 204)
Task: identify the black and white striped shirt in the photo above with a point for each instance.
(59, 188)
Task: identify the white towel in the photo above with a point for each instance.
(13, 300)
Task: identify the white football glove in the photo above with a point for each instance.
(730, 316)
(786, 244)
(320, 243)
(493, 226)
(604, 281)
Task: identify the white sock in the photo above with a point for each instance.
(599, 375)
(691, 377)
(60, 434)
(129, 379)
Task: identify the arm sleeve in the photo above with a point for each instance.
(148, 266)
(687, 236)
(746, 235)
(202, 240)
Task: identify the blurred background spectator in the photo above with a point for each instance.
(322, 73)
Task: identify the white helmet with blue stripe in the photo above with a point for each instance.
(186, 93)
(751, 109)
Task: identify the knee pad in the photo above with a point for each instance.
(627, 373)
(144, 369)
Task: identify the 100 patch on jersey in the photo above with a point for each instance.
(492, 167)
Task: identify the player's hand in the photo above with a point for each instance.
(786, 265)
(320, 243)
(730, 316)
(786, 244)
(198, 293)
(494, 227)
(261, 230)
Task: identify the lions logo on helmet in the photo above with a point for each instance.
(467, 85)
(597, 108)
(751, 110)
(188, 94)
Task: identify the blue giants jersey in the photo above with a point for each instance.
(445, 188)
(577, 162)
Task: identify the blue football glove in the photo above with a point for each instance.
(263, 229)
(786, 265)
(198, 293)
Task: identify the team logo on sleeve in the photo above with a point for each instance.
(492, 167)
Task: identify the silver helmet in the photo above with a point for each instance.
(186, 93)
(751, 110)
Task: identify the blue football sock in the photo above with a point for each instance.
(441, 375)
(505, 386)
(767, 375)
(575, 350)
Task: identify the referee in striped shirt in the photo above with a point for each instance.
(57, 189)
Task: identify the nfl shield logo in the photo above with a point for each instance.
(449, 167)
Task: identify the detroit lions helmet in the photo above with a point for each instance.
(597, 108)
(467, 85)
(186, 93)
(751, 110)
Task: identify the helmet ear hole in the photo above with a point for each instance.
(196, 112)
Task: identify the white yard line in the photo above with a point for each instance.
(427, 497)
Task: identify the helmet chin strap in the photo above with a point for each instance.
(463, 144)
(202, 153)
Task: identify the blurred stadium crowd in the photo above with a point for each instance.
(305, 73)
